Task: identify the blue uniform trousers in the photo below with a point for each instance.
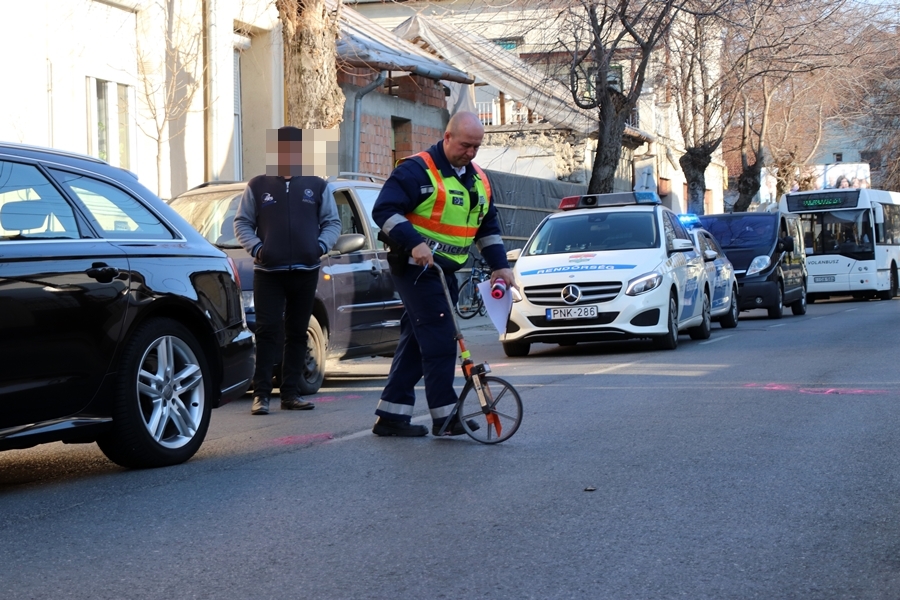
(427, 347)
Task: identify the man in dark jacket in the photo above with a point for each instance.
(286, 220)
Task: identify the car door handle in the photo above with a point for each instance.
(102, 272)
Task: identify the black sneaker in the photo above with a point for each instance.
(296, 403)
(260, 405)
(454, 427)
(388, 427)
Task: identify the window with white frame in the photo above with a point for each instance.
(111, 121)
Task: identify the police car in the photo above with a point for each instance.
(609, 267)
(719, 272)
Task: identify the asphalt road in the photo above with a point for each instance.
(761, 463)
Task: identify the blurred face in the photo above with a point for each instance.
(462, 145)
(290, 154)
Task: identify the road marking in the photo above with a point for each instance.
(851, 309)
(611, 368)
(718, 339)
(779, 325)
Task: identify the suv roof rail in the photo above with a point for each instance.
(354, 175)
(212, 183)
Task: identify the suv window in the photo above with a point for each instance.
(115, 213)
(31, 207)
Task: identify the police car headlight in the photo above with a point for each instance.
(247, 301)
(759, 264)
(644, 283)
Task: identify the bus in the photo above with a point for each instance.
(852, 239)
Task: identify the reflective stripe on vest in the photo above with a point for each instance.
(428, 218)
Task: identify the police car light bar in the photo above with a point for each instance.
(690, 220)
(614, 199)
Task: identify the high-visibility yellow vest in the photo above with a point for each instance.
(446, 216)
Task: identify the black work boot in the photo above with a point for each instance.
(454, 427)
(296, 403)
(260, 405)
(389, 427)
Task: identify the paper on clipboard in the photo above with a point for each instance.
(497, 308)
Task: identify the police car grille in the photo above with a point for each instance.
(591, 293)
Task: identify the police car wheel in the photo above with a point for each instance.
(702, 331)
(730, 319)
(514, 349)
(669, 341)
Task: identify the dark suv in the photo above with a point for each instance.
(118, 322)
(357, 311)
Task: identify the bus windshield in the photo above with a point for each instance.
(844, 232)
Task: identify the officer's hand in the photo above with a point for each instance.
(504, 274)
(422, 255)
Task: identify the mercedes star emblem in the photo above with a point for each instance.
(571, 294)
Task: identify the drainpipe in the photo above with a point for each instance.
(357, 108)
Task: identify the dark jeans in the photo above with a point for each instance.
(283, 299)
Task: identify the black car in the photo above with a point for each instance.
(119, 324)
(357, 310)
(769, 258)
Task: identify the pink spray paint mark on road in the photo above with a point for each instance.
(319, 399)
(782, 387)
(307, 439)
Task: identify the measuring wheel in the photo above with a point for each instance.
(504, 410)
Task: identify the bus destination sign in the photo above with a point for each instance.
(829, 200)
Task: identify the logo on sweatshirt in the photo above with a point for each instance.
(267, 199)
(308, 196)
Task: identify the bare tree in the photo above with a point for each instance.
(775, 41)
(310, 29)
(607, 34)
(170, 74)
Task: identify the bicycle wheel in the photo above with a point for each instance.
(469, 302)
(505, 410)
(482, 309)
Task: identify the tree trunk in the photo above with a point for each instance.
(694, 162)
(314, 99)
(613, 114)
(748, 186)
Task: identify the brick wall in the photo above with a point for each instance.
(376, 154)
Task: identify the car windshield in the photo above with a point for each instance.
(741, 231)
(596, 231)
(211, 214)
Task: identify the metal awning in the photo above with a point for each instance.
(505, 71)
(363, 43)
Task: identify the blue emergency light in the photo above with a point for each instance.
(690, 220)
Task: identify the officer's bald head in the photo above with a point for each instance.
(463, 138)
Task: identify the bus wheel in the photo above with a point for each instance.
(892, 292)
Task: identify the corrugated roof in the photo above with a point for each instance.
(506, 72)
(363, 43)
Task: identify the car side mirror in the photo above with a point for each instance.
(710, 255)
(682, 245)
(349, 242)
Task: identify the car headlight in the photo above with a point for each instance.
(247, 301)
(644, 283)
(759, 264)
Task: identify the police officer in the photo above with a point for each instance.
(432, 208)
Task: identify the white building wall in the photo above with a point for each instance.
(58, 49)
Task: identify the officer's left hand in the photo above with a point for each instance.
(504, 274)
